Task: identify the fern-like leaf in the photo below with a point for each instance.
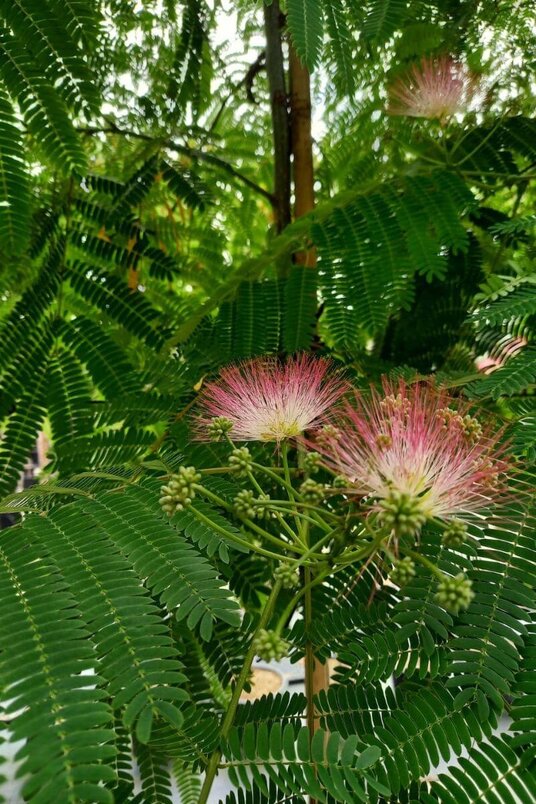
(305, 22)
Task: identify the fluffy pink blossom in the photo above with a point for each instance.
(435, 88)
(415, 454)
(267, 400)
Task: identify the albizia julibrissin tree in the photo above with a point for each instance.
(268, 291)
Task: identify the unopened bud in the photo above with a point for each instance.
(311, 491)
(403, 571)
(455, 534)
(241, 460)
(454, 593)
(287, 575)
(268, 645)
(219, 427)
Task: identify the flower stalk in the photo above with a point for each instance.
(227, 723)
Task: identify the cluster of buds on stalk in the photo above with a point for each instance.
(269, 645)
(247, 505)
(241, 460)
(179, 491)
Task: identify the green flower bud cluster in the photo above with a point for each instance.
(268, 645)
(247, 505)
(287, 575)
(401, 513)
(455, 534)
(454, 593)
(263, 507)
(311, 462)
(241, 459)
(179, 492)
(312, 492)
(403, 571)
(244, 504)
(219, 427)
(340, 482)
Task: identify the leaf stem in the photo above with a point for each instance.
(215, 498)
(232, 537)
(228, 720)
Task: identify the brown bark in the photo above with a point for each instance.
(275, 70)
(302, 146)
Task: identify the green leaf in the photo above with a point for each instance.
(14, 193)
(305, 22)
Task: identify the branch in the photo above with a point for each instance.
(193, 153)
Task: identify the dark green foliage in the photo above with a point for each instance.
(300, 308)
(122, 637)
(21, 431)
(340, 764)
(45, 649)
(516, 376)
(383, 18)
(305, 21)
(492, 772)
(155, 777)
(14, 209)
(251, 323)
(195, 595)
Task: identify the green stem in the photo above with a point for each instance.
(251, 525)
(309, 654)
(425, 562)
(228, 720)
(298, 596)
(286, 469)
(232, 537)
(253, 480)
(308, 506)
(270, 472)
(300, 515)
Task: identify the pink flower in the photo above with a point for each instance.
(437, 89)
(266, 400)
(414, 454)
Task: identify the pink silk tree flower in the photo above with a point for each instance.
(266, 400)
(413, 454)
(436, 89)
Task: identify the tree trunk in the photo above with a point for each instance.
(275, 70)
(302, 146)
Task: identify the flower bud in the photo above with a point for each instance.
(311, 491)
(311, 462)
(455, 534)
(244, 504)
(340, 482)
(262, 507)
(219, 427)
(403, 571)
(269, 645)
(401, 513)
(241, 460)
(454, 593)
(179, 492)
(287, 575)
